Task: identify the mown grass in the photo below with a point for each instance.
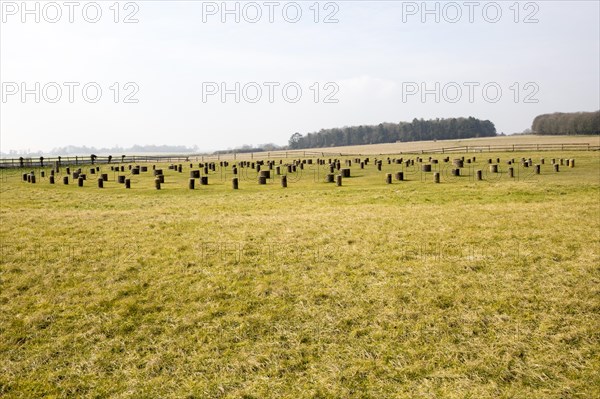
(463, 289)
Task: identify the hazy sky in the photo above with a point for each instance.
(370, 63)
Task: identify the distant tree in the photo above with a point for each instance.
(295, 140)
(575, 123)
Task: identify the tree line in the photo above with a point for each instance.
(417, 130)
(573, 123)
(78, 150)
(247, 148)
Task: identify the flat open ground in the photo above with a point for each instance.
(463, 289)
(396, 148)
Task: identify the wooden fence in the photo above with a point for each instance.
(195, 158)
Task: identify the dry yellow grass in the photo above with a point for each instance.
(462, 289)
(394, 148)
(397, 148)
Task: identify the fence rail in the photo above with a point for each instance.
(514, 148)
(86, 160)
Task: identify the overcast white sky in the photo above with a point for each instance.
(376, 57)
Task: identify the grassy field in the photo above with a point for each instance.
(463, 289)
(397, 148)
